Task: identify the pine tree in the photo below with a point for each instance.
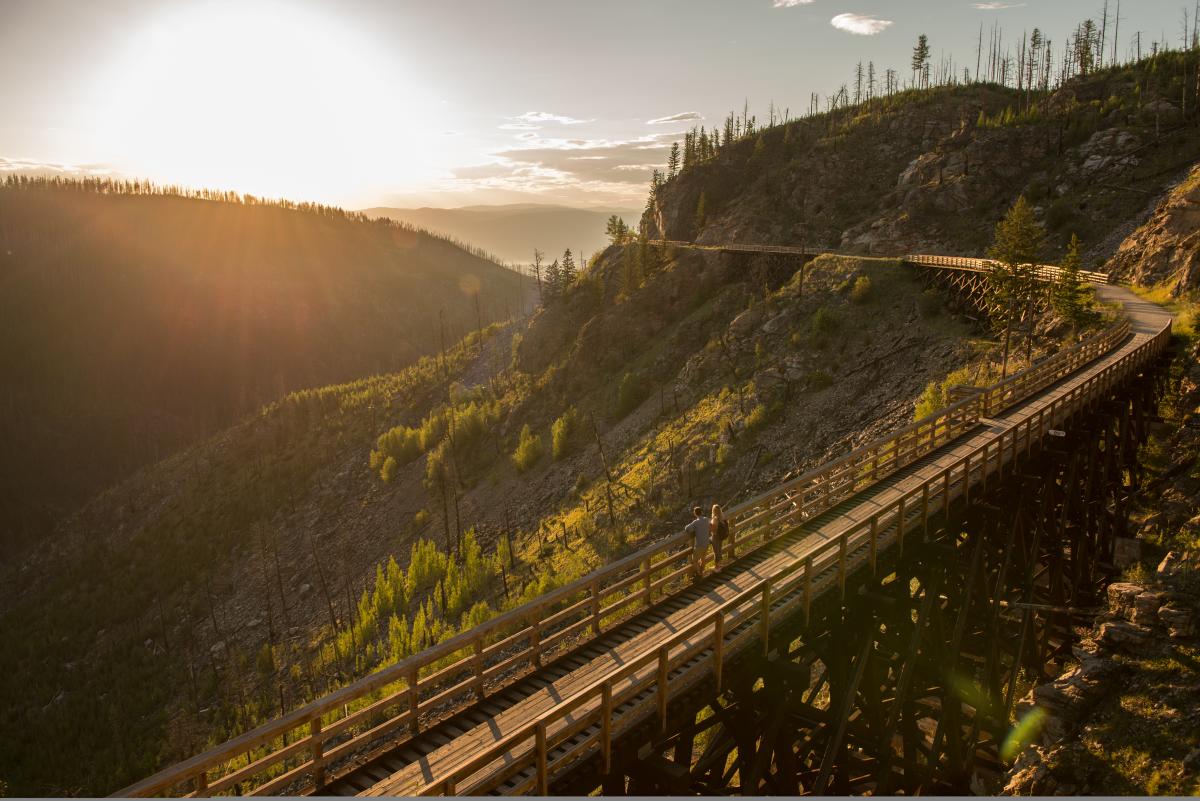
(920, 60)
(858, 83)
(553, 283)
(1012, 284)
(673, 160)
(1069, 295)
(567, 271)
(617, 230)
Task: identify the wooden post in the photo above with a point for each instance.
(946, 494)
(414, 723)
(842, 567)
(606, 712)
(718, 647)
(663, 666)
(535, 638)
(925, 508)
(543, 780)
(646, 580)
(766, 617)
(596, 606)
(967, 479)
(318, 754)
(202, 784)
(899, 524)
(807, 587)
(479, 667)
(873, 545)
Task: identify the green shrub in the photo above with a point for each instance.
(861, 292)
(629, 394)
(266, 661)
(421, 518)
(529, 449)
(390, 467)
(759, 416)
(824, 321)
(564, 432)
(724, 454)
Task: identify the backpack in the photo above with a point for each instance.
(723, 529)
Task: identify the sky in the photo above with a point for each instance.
(450, 102)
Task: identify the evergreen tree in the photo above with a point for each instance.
(673, 160)
(1012, 284)
(553, 283)
(617, 230)
(920, 60)
(567, 271)
(1069, 296)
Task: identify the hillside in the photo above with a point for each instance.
(513, 231)
(134, 322)
(931, 171)
(253, 562)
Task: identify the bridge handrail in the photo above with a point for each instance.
(804, 569)
(655, 568)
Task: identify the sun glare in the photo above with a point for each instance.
(265, 99)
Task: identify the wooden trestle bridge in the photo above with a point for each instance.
(868, 634)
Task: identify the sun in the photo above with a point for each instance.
(268, 99)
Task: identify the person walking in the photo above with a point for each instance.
(700, 529)
(720, 532)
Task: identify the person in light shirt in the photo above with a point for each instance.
(699, 529)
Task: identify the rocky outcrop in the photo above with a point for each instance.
(1167, 248)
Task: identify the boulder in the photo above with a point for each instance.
(1121, 595)
(1180, 622)
(1122, 634)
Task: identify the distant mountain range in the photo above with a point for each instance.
(512, 231)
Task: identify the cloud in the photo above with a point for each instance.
(790, 3)
(545, 116)
(861, 24)
(682, 116)
(519, 126)
(996, 6)
(564, 168)
(50, 168)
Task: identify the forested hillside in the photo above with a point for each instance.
(134, 320)
(929, 170)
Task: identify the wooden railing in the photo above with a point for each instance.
(1044, 272)
(586, 723)
(302, 749)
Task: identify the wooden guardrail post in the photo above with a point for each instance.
(606, 713)
(201, 784)
(766, 618)
(718, 647)
(543, 780)
(873, 545)
(808, 577)
(925, 509)
(479, 667)
(664, 664)
(596, 606)
(646, 581)
(535, 640)
(318, 754)
(414, 699)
